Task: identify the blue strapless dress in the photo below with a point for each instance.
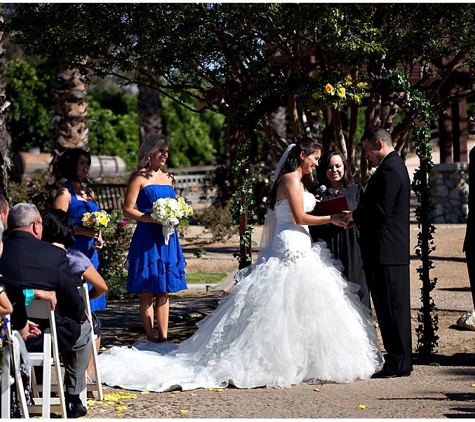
(153, 266)
(85, 244)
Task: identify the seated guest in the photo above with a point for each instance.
(30, 294)
(58, 229)
(47, 268)
(12, 302)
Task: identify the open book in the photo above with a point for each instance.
(331, 206)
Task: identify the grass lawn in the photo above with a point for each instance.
(204, 278)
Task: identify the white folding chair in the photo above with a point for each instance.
(41, 309)
(5, 378)
(96, 386)
(13, 347)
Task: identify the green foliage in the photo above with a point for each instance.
(31, 111)
(116, 285)
(244, 196)
(183, 225)
(427, 339)
(111, 133)
(33, 189)
(260, 178)
(112, 113)
(218, 221)
(117, 239)
(195, 139)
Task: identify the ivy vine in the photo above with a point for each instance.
(420, 111)
(243, 199)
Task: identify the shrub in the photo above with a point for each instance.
(218, 221)
(261, 177)
(33, 189)
(113, 254)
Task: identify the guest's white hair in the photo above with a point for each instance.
(22, 215)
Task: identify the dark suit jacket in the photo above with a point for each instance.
(18, 318)
(383, 216)
(36, 264)
(469, 241)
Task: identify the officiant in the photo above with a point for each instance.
(334, 181)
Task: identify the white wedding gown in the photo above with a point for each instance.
(291, 318)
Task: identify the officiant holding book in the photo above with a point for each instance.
(333, 186)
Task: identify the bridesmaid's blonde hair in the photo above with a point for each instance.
(150, 146)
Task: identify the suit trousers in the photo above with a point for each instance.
(389, 286)
(77, 361)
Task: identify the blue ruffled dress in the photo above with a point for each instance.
(85, 244)
(153, 266)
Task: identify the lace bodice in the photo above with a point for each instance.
(283, 212)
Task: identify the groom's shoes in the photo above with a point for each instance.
(386, 373)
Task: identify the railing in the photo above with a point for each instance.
(110, 196)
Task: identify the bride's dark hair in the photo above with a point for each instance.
(303, 144)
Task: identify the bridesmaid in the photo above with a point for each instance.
(76, 198)
(155, 268)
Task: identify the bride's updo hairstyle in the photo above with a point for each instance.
(304, 144)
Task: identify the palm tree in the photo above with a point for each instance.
(5, 139)
(150, 112)
(69, 90)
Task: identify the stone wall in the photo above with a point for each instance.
(449, 193)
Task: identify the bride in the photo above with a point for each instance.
(291, 318)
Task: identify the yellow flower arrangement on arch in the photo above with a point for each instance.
(331, 89)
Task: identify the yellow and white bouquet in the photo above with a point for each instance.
(169, 212)
(96, 220)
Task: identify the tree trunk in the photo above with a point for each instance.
(372, 114)
(294, 117)
(5, 140)
(150, 112)
(278, 121)
(339, 136)
(70, 120)
(352, 139)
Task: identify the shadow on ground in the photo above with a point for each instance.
(122, 326)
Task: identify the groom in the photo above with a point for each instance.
(383, 218)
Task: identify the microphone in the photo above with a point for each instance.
(321, 189)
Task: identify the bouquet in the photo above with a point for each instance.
(169, 212)
(97, 220)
